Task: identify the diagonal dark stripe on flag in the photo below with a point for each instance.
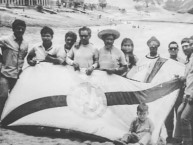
(113, 98)
(34, 106)
(148, 95)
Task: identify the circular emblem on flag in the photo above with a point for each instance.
(87, 100)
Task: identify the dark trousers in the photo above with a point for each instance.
(184, 123)
(169, 123)
(6, 85)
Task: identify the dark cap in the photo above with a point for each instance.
(153, 38)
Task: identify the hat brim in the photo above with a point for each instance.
(109, 32)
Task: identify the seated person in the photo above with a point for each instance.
(141, 128)
(111, 59)
(83, 54)
(46, 51)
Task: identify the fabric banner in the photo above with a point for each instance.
(101, 104)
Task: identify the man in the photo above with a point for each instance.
(111, 59)
(70, 39)
(83, 54)
(14, 49)
(169, 123)
(148, 67)
(173, 50)
(46, 51)
(185, 111)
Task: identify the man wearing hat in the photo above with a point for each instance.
(14, 49)
(148, 66)
(111, 59)
(153, 44)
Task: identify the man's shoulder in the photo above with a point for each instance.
(6, 38)
(117, 51)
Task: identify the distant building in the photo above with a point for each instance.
(30, 2)
(70, 3)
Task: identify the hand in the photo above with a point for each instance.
(89, 70)
(181, 78)
(186, 97)
(110, 70)
(76, 66)
(190, 100)
(32, 62)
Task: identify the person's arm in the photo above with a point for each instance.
(151, 126)
(123, 65)
(189, 84)
(1, 51)
(58, 58)
(95, 62)
(70, 56)
(30, 57)
(132, 126)
(70, 61)
(96, 59)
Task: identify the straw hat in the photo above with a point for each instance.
(113, 32)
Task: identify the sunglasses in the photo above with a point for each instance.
(173, 48)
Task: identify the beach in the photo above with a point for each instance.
(139, 30)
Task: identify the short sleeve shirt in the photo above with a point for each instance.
(85, 55)
(140, 128)
(13, 56)
(41, 52)
(113, 58)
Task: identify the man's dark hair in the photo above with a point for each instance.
(173, 42)
(47, 29)
(18, 22)
(72, 35)
(85, 29)
(142, 107)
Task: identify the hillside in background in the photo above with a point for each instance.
(181, 6)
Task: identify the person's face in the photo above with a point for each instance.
(186, 48)
(153, 47)
(173, 49)
(46, 38)
(127, 47)
(69, 41)
(84, 37)
(109, 40)
(19, 31)
(142, 115)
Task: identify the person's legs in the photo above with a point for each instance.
(178, 132)
(169, 123)
(12, 83)
(145, 139)
(4, 89)
(186, 128)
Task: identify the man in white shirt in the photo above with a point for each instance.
(46, 51)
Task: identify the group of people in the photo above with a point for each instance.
(83, 54)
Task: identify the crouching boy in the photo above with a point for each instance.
(141, 128)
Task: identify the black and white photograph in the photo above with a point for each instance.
(96, 72)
